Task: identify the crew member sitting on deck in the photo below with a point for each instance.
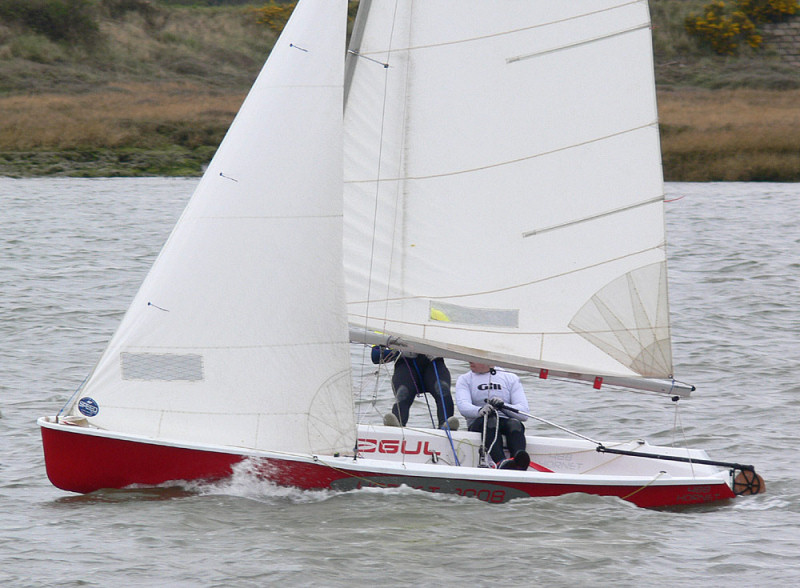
(416, 374)
(483, 394)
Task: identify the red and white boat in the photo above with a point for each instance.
(493, 192)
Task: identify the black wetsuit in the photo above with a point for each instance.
(415, 374)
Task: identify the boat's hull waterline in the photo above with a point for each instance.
(82, 459)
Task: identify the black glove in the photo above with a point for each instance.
(485, 410)
(497, 402)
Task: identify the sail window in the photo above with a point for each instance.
(167, 367)
(629, 320)
(487, 317)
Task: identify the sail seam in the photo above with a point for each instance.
(218, 347)
(504, 33)
(530, 283)
(653, 124)
(264, 217)
(593, 217)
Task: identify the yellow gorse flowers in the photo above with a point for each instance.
(724, 26)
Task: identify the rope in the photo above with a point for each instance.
(485, 451)
(650, 483)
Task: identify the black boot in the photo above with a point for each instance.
(520, 461)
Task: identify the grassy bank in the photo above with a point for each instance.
(121, 129)
(730, 135)
(153, 91)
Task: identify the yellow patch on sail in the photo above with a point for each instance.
(438, 315)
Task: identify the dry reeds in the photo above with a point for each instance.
(129, 115)
(730, 135)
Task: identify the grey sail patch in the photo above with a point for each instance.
(165, 367)
(487, 317)
(629, 320)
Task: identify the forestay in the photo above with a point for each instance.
(503, 185)
(238, 335)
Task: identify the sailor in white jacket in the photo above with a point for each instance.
(483, 393)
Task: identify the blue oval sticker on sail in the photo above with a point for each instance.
(88, 407)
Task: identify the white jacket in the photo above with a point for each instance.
(473, 390)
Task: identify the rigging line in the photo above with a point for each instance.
(368, 58)
(593, 217)
(511, 32)
(70, 402)
(515, 286)
(677, 424)
(377, 190)
(378, 180)
(444, 410)
(552, 424)
(632, 29)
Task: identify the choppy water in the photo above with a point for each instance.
(72, 253)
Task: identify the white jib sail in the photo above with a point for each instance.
(503, 184)
(238, 335)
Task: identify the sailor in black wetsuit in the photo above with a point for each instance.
(416, 374)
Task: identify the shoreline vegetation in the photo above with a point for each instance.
(153, 92)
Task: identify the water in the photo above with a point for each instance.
(72, 253)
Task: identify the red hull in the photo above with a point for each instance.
(83, 463)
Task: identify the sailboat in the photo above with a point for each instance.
(477, 181)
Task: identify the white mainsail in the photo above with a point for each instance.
(238, 335)
(503, 184)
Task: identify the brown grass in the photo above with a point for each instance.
(125, 115)
(730, 135)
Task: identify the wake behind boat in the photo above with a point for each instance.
(493, 193)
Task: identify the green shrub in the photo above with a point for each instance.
(274, 15)
(58, 20)
(119, 8)
(36, 48)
